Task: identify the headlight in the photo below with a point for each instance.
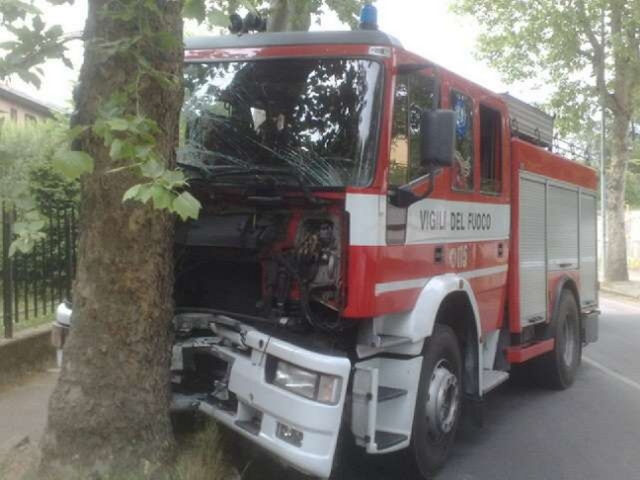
(312, 385)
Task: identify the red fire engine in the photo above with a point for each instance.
(380, 241)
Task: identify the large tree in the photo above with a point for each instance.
(109, 411)
(589, 50)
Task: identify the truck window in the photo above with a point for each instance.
(414, 93)
(399, 158)
(490, 150)
(463, 168)
(309, 121)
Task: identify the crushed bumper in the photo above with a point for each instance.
(263, 411)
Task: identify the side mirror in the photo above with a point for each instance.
(438, 131)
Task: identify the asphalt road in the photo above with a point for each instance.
(589, 432)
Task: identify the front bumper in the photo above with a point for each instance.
(262, 408)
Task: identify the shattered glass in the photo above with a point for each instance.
(314, 120)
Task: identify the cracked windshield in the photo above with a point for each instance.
(285, 122)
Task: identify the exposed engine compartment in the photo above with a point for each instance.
(280, 265)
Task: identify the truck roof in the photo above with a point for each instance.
(255, 40)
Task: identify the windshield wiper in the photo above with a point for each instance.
(224, 171)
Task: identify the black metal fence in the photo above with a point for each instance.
(34, 283)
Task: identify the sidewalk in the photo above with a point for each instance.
(630, 289)
(23, 409)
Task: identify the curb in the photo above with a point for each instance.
(29, 350)
(612, 291)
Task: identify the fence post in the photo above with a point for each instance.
(7, 297)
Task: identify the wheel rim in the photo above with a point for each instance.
(443, 400)
(569, 343)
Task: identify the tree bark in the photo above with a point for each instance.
(616, 247)
(621, 105)
(109, 411)
(289, 16)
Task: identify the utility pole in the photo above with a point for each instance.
(603, 140)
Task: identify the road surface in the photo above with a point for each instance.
(591, 431)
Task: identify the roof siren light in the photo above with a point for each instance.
(369, 17)
(253, 22)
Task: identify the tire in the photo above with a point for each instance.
(435, 422)
(557, 369)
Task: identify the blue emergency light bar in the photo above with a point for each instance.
(369, 17)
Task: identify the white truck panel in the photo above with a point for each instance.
(533, 272)
(562, 228)
(557, 233)
(588, 252)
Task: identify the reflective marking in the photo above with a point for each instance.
(421, 282)
(401, 285)
(483, 272)
(613, 373)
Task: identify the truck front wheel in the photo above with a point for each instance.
(557, 369)
(438, 402)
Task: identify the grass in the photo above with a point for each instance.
(202, 457)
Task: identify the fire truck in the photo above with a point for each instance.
(382, 242)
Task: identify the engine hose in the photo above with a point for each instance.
(304, 299)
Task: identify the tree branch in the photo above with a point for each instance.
(598, 58)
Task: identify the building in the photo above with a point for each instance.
(19, 108)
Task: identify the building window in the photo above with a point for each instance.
(463, 164)
(490, 150)
(14, 115)
(30, 118)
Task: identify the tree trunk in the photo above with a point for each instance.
(616, 256)
(289, 15)
(109, 411)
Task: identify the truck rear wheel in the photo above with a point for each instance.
(438, 402)
(557, 369)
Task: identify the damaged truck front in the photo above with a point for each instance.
(272, 144)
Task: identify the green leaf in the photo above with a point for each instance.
(162, 198)
(195, 9)
(186, 206)
(76, 131)
(132, 193)
(144, 151)
(152, 169)
(116, 150)
(174, 178)
(73, 164)
(19, 228)
(145, 192)
(118, 124)
(218, 18)
(29, 77)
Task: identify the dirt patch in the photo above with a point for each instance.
(21, 462)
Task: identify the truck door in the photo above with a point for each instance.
(463, 225)
(414, 93)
